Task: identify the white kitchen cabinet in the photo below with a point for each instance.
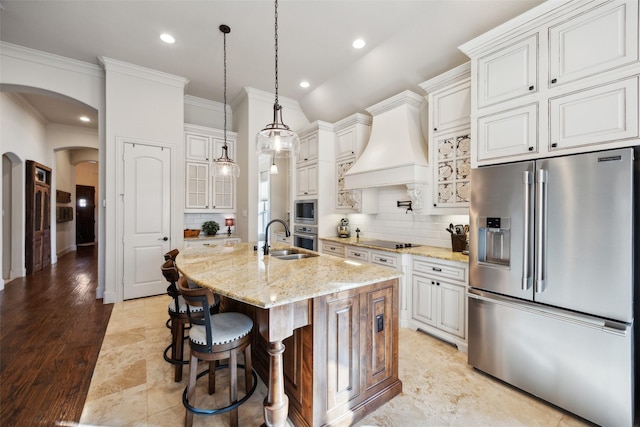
(332, 248)
(601, 39)
(203, 191)
(438, 299)
(307, 180)
(388, 259)
(450, 106)
(508, 72)
(352, 135)
(357, 253)
(203, 241)
(197, 183)
(594, 116)
(308, 149)
(197, 147)
(281, 237)
(559, 79)
(449, 99)
(452, 164)
(507, 134)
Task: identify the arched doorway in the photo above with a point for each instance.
(12, 218)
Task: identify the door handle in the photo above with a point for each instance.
(165, 238)
(541, 228)
(526, 218)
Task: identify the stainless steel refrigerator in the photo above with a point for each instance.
(551, 299)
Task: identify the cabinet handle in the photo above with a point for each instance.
(554, 80)
(383, 260)
(436, 269)
(433, 283)
(437, 283)
(530, 148)
(531, 87)
(356, 254)
(554, 145)
(435, 129)
(332, 248)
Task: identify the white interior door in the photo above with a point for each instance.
(147, 218)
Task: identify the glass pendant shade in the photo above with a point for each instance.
(224, 166)
(276, 139)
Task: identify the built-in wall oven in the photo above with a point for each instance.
(305, 236)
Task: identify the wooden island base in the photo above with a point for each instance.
(341, 354)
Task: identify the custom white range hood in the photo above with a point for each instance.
(396, 153)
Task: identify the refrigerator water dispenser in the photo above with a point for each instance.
(494, 241)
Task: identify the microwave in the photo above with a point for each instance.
(305, 211)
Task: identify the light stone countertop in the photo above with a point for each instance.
(427, 251)
(237, 271)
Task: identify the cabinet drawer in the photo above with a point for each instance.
(331, 248)
(281, 238)
(359, 254)
(385, 258)
(436, 269)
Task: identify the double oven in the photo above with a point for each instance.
(305, 224)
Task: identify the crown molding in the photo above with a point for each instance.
(141, 72)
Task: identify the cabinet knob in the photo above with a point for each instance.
(554, 145)
(435, 129)
(531, 87)
(437, 283)
(530, 148)
(554, 80)
(433, 283)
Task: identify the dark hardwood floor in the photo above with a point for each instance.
(51, 330)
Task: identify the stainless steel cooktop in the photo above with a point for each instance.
(386, 244)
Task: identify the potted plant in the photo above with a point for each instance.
(210, 227)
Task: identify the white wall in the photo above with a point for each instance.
(144, 105)
(393, 223)
(65, 231)
(27, 69)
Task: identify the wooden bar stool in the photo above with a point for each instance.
(179, 318)
(212, 338)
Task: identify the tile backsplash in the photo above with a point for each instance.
(392, 223)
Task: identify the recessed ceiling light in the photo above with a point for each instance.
(85, 119)
(167, 38)
(358, 44)
(304, 84)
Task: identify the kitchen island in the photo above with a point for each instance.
(337, 320)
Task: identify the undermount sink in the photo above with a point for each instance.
(290, 254)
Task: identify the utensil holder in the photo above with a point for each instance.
(458, 242)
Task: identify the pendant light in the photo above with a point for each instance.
(224, 166)
(276, 139)
(274, 168)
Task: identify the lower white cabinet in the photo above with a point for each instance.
(195, 243)
(438, 300)
(331, 248)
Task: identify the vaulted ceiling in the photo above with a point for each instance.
(408, 42)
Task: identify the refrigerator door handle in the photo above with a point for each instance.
(541, 229)
(526, 217)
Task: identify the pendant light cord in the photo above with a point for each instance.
(225, 88)
(276, 44)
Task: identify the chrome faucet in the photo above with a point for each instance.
(266, 233)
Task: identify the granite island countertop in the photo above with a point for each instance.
(427, 251)
(237, 271)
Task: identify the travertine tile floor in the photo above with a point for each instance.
(133, 386)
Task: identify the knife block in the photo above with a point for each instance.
(458, 242)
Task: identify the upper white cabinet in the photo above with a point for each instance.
(561, 78)
(449, 100)
(203, 191)
(308, 149)
(352, 134)
(508, 72)
(597, 40)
